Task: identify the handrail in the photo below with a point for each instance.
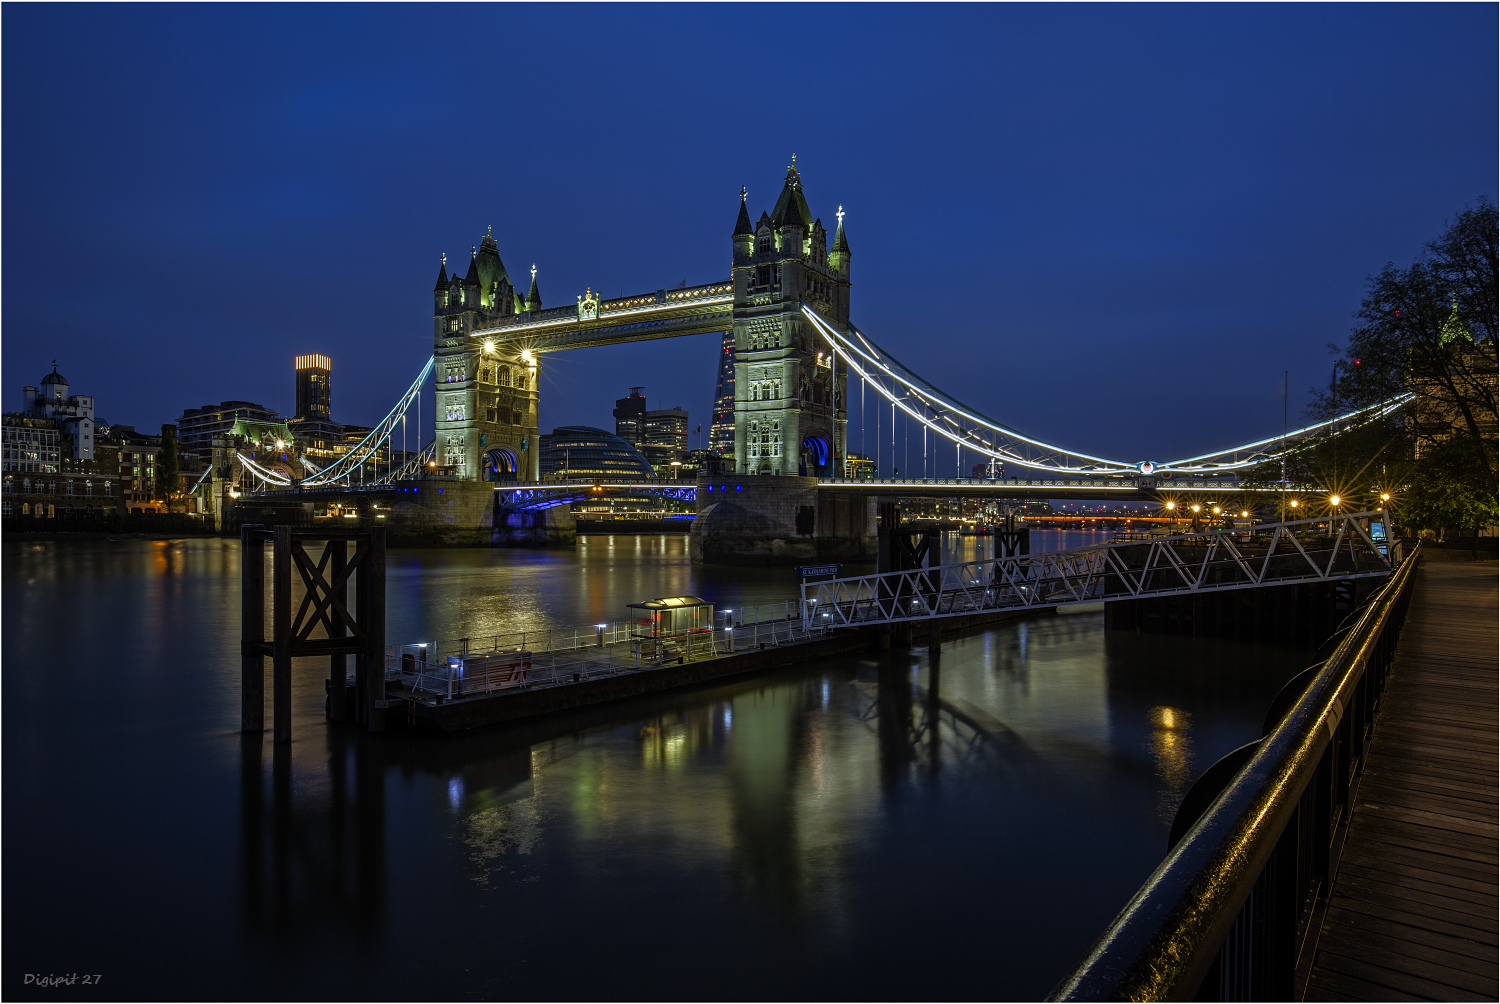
(1170, 935)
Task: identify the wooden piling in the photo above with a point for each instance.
(281, 635)
(338, 699)
(252, 631)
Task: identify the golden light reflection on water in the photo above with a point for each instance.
(1172, 746)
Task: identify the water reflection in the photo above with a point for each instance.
(1012, 792)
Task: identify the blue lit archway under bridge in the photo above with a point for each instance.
(499, 465)
(815, 454)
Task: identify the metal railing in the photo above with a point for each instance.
(1229, 913)
(1271, 554)
(568, 655)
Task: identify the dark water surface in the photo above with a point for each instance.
(865, 827)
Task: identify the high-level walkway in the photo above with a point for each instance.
(1413, 911)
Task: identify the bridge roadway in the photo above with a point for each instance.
(528, 494)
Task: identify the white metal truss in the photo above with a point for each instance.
(944, 415)
(264, 474)
(369, 447)
(411, 468)
(1271, 554)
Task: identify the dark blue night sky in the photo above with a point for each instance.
(1110, 226)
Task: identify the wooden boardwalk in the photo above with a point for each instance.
(1413, 911)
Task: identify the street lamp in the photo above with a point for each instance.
(1333, 500)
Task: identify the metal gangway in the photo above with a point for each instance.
(1309, 550)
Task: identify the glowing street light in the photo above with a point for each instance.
(526, 356)
(1385, 496)
(1333, 500)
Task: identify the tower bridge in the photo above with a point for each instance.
(797, 359)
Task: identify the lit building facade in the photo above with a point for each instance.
(486, 418)
(583, 453)
(790, 414)
(721, 432)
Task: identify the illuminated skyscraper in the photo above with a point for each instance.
(721, 432)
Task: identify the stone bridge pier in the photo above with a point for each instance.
(746, 519)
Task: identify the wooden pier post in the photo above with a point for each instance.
(370, 666)
(934, 636)
(252, 631)
(281, 635)
(338, 696)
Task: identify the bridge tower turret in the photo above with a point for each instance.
(790, 411)
(485, 399)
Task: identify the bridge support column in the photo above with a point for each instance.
(903, 634)
(934, 636)
(555, 527)
(746, 519)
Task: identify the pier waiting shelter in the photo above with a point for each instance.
(659, 626)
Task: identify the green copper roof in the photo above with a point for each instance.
(1453, 327)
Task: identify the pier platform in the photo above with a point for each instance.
(602, 679)
(1412, 914)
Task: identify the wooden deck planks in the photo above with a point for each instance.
(1415, 909)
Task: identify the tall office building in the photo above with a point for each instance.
(721, 432)
(630, 418)
(666, 435)
(314, 386)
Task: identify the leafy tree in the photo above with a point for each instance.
(168, 476)
(1428, 329)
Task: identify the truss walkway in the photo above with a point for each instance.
(1312, 550)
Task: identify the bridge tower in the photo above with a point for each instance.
(485, 396)
(790, 410)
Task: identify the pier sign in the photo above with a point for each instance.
(809, 571)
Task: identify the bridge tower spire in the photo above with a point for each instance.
(790, 411)
(484, 398)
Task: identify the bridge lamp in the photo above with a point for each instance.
(1171, 505)
(1196, 508)
(1333, 500)
(1216, 510)
(527, 357)
(1293, 503)
(280, 444)
(489, 348)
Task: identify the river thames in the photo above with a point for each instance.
(869, 827)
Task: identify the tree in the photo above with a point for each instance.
(1428, 330)
(168, 477)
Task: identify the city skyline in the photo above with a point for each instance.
(1135, 216)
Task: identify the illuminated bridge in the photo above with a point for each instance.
(799, 362)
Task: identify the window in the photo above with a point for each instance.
(68, 489)
(489, 414)
(453, 452)
(7, 508)
(26, 485)
(109, 489)
(504, 374)
(88, 489)
(10, 485)
(51, 488)
(486, 375)
(25, 509)
(51, 511)
(521, 381)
